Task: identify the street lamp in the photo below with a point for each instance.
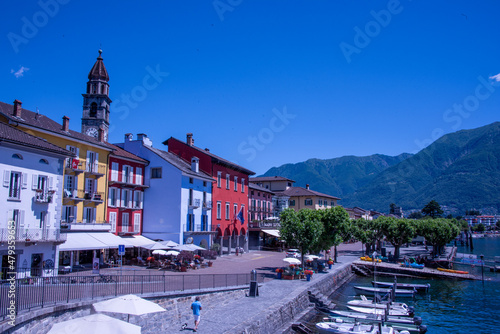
(482, 267)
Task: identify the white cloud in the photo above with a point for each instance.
(20, 72)
(496, 77)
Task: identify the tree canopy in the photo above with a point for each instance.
(397, 231)
(432, 209)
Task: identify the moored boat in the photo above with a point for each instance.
(373, 310)
(418, 287)
(382, 305)
(378, 317)
(381, 291)
(453, 271)
(352, 328)
(412, 329)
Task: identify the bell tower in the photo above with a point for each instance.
(96, 101)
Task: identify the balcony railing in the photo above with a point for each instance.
(94, 169)
(199, 228)
(32, 235)
(74, 165)
(94, 196)
(207, 205)
(194, 203)
(44, 196)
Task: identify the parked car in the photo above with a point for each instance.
(293, 253)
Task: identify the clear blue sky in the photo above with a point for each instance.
(235, 64)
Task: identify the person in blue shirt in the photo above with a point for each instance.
(196, 307)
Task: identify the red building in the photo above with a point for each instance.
(125, 192)
(229, 192)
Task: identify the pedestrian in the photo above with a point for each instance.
(237, 250)
(196, 307)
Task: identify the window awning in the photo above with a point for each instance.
(138, 240)
(274, 233)
(91, 241)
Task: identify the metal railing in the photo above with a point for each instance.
(44, 196)
(39, 292)
(94, 168)
(194, 202)
(33, 234)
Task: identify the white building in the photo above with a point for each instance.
(31, 202)
(179, 198)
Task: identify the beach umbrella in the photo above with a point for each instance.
(128, 304)
(94, 323)
(291, 260)
(172, 252)
(160, 252)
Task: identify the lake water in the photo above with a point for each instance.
(451, 306)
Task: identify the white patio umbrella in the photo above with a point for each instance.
(172, 252)
(160, 252)
(128, 304)
(169, 244)
(291, 260)
(188, 247)
(94, 323)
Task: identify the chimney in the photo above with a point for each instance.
(307, 186)
(129, 137)
(100, 135)
(65, 125)
(144, 138)
(17, 108)
(189, 139)
(206, 149)
(195, 164)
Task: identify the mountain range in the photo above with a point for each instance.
(460, 170)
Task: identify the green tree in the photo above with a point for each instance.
(415, 215)
(336, 228)
(480, 227)
(432, 209)
(437, 232)
(397, 231)
(302, 229)
(369, 232)
(392, 209)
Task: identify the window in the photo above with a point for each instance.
(219, 175)
(89, 215)
(204, 183)
(125, 222)
(113, 196)
(92, 158)
(289, 184)
(156, 173)
(114, 171)
(227, 180)
(242, 185)
(138, 175)
(69, 213)
(308, 201)
(126, 198)
(17, 156)
(17, 216)
(90, 186)
(235, 183)
(219, 210)
(191, 180)
(292, 202)
(235, 206)
(190, 199)
(14, 185)
(253, 205)
(204, 222)
(138, 199)
(227, 210)
(93, 106)
(137, 222)
(190, 222)
(320, 202)
(332, 203)
(43, 161)
(112, 221)
(44, 219)
(127, 174)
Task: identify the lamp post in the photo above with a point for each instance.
(482, 267)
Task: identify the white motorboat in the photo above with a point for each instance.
(378, 317)
(351, 328)
(383, 291)
(381, 311)
(381, 305)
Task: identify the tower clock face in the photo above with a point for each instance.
(92, 132)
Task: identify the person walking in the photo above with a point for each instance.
(196, 307)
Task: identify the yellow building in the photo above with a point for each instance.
(85, 177)
(305, 198)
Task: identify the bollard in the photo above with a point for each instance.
(254, 287)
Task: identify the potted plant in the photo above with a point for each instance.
(279, 272)
(308, 274)
(210, 263)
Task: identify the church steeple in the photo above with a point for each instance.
(96, 101)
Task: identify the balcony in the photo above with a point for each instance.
(264, 224)
(44, 196)
(93, 197)
(207, 205)
(127, 184)
(94, 169)
(192, 229)
(85, 225)
(74, 166)
(33, 235)
(194, 203)
(73, 195)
